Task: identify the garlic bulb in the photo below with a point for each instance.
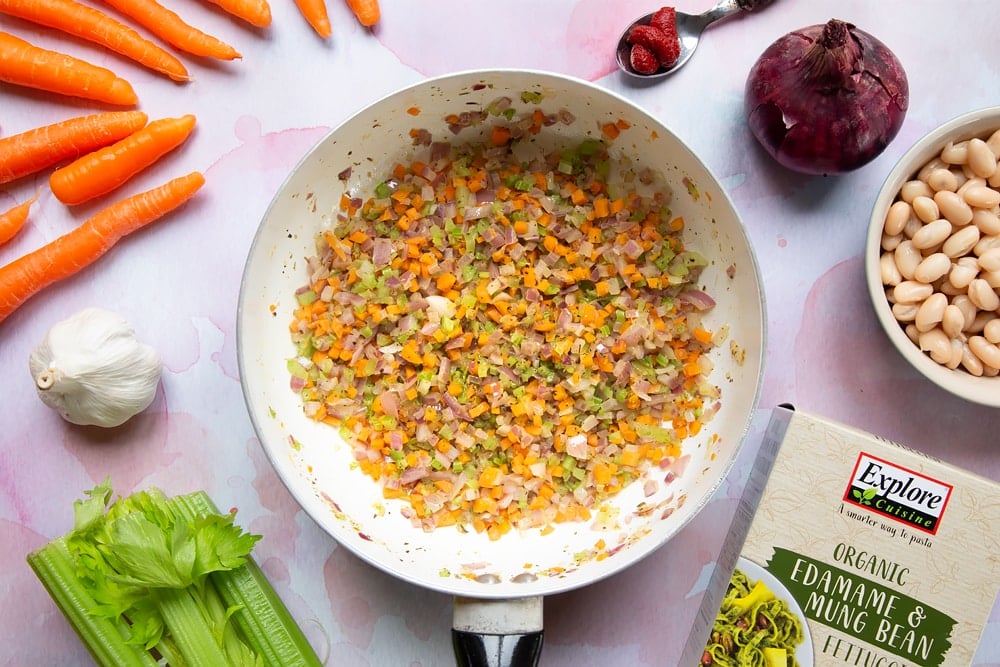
(91, 369)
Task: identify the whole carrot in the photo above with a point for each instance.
(102, 171)
(73, 251)
(31, 151)
(366, 11)
(314, 11)
(13, 220)
(171, 28)
(91, 24)
(255, 12)
(24, 64)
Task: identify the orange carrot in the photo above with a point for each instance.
(255, 12)
(13, 220)
(367, 11)
(77, 249)
(31, 151)
(24, 64)
(91, 24)
(172, 29)
(315, 13)
(102, 171)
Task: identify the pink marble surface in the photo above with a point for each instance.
(177, 282)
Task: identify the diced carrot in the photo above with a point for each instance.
(500, 135)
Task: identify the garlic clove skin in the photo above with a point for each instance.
(93, 371)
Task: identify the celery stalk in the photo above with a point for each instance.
(148, 580)
(53, 566)
(262, 618)
(189, 628)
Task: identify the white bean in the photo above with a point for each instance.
(907, 258)
(926, 208)
(912, 189)
(955, 153)
(941, 179)
(994, 143)
(985, 244)
(971, 362)
(911, 291)
(987, 221)
(981, 159)
(953, 207)
(952, 321)
(930, 312)
(968, 309)
(969, 183)
(980, 293)
(981, 196)
(896, 217)
(986, 351)
(992, 278)
(913, 225)
(890, 242)
(990, 372)
(962, 273)
(961, 242)
(932, 164)
(990, 260)
(932, 267)
(911, 332)
(946, 288)
(905, 312)
(932, 234)
(937, 344)
(979, 322)
(991, 331)
(890, 272)
(957, 350)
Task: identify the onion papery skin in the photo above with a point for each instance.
(826, 99)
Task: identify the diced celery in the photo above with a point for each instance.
(306, 297)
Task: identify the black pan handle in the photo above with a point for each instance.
(497, 633)
(479, 650)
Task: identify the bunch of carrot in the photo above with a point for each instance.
(106, 150)
(26, 64)
(98, 153)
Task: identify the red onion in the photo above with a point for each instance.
(826, 99)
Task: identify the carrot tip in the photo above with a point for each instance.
(123, 93)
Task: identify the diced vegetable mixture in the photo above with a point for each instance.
(506, 339)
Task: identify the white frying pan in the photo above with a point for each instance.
(498, 585)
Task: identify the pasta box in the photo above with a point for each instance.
(849, 549)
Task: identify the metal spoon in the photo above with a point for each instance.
(689, 29)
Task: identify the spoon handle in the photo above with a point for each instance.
(726, 8)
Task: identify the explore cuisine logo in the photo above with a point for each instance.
(898, 493)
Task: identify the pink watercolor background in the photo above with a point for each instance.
(178, 281)
(517, 34)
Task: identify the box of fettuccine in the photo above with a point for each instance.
(860, 551)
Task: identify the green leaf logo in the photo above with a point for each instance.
(864, 497)
(867, 495)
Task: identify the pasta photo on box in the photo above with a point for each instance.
(859, 551)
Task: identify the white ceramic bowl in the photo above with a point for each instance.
(316, 464)
(980, 123)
